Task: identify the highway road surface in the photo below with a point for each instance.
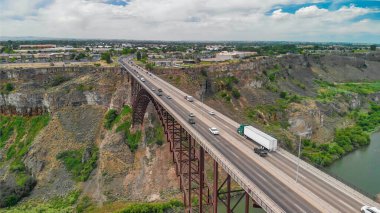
(275, 174)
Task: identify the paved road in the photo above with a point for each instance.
(275, 174)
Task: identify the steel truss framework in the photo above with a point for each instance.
(189, 159)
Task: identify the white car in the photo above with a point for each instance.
(214, 130)
(153, 89)
(211, 113)
(142, 79)
(368, 209)
(191, 115)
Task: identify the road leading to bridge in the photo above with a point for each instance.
(274, 175)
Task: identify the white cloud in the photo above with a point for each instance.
(311, 11)
(180, 20)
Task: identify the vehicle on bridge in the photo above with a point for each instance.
(214, 130)
(191, 120)
(258, 136)
(159, 92)
(262, 151)
(368, 209)
(189, 98)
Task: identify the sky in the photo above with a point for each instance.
(206, 20)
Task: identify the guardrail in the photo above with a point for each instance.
(323, 174)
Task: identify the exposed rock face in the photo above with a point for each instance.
(49, 89)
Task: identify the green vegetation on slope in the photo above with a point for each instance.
(6, 88)
(226, 87)
(57, 204)
(155, 134)
(23, 130)
(110, 118)
(345, 140)
(75, 163)
(58, 80)
(328, 91)
(272, 73)
(151, 207)
(273, 114)
(124, 121)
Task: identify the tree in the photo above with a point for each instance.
(106, 57)
(373, 47)
(149, 66)
(138, 55)
(127, 51)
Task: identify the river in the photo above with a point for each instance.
(361, 168)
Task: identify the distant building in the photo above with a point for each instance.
(126, 45)
(214, 47)
(225, 56)
(37, 46)
(168, 63)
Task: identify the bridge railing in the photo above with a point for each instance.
(338, 181)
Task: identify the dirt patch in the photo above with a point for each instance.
(152, 178)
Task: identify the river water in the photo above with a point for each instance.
(361, 168)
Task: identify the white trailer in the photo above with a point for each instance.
(258, 136)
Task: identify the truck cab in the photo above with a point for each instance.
(262, 151)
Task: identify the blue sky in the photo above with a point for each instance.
(285, 20)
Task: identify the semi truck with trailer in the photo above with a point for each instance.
(263, 139)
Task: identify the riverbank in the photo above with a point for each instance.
(361, 168)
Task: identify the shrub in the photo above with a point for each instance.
(133, 140)
(283, 94)
(58, 80)
(9, 87)
(110, 118)
(235, 93)
(73, 161)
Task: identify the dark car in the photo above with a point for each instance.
(191, 120)
(261, 151)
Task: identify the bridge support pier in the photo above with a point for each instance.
(215, 187)
(189, 159)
